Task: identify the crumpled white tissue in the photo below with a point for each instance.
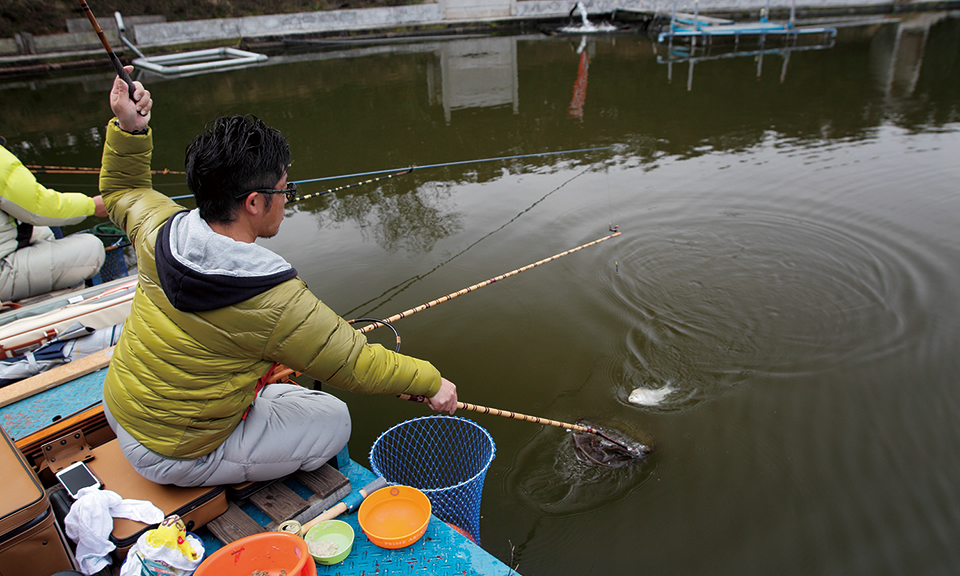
(90, 522)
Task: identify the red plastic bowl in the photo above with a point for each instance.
(270, 552)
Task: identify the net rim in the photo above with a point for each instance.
(481, 472)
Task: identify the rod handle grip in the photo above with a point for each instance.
(122, 73)
(348, 504)
(328, 514)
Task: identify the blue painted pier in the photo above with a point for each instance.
(694, 26)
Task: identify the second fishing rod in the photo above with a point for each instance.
(394, 172)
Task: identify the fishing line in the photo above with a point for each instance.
(284, 371)
(391, 293)
(458, 163)
(479, 285)
(613, 227)
(375, 322)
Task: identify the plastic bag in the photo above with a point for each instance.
(167, 550)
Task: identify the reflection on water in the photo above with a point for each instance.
(897, 53)
(787, 270)
(694, 54)
(411, 222)
(478, 73)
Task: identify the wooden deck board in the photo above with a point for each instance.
(55, 377)
(279, 502)
(319, 504)
(234, 524)
(324, 480)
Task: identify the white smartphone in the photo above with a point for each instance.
(77, 476)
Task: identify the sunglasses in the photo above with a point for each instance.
(290, 192)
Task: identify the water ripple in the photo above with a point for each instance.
(725, 292)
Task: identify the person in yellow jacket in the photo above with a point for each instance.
(214, 311)
(32, 260)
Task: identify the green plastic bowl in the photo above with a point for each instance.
(336, 532)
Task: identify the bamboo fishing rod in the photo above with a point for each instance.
(460, 163)
(526, 418)
(337, 189)
(398, 171)
(286, 372)
(505, 414)
(121, 72)
(345, 186)
(479, 285)
(38, 169)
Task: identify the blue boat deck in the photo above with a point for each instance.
(34, 413)
(441, 551)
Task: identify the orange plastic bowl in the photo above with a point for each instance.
(395, 516)
(268, 552)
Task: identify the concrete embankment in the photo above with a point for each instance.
(152, 35)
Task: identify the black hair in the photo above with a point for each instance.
(232, 155)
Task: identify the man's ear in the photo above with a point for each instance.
(253, 204)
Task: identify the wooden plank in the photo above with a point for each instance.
(279, 502)
(55, 377)
(319, 504)
(323, 481)
(233, 525)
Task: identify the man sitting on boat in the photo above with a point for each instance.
(214, 312)
(32, 260)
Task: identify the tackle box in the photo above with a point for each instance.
(31, 543)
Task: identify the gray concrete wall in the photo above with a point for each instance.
(230, 30)
(446, 11)
(477, 9)
(25, 43)
(109, 23)
(8, 46)
(285, 24)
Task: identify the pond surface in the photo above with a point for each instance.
(783, 294)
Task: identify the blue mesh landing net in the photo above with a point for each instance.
(446, 458)
(114, 266)
(114, 241)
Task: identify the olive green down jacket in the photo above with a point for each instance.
(179, 382)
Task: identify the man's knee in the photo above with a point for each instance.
(90, 251)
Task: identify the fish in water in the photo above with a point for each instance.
(648, 397)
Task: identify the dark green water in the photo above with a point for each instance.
(789, 270)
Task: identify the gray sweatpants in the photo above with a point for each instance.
(49, 264)
(289, 428)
